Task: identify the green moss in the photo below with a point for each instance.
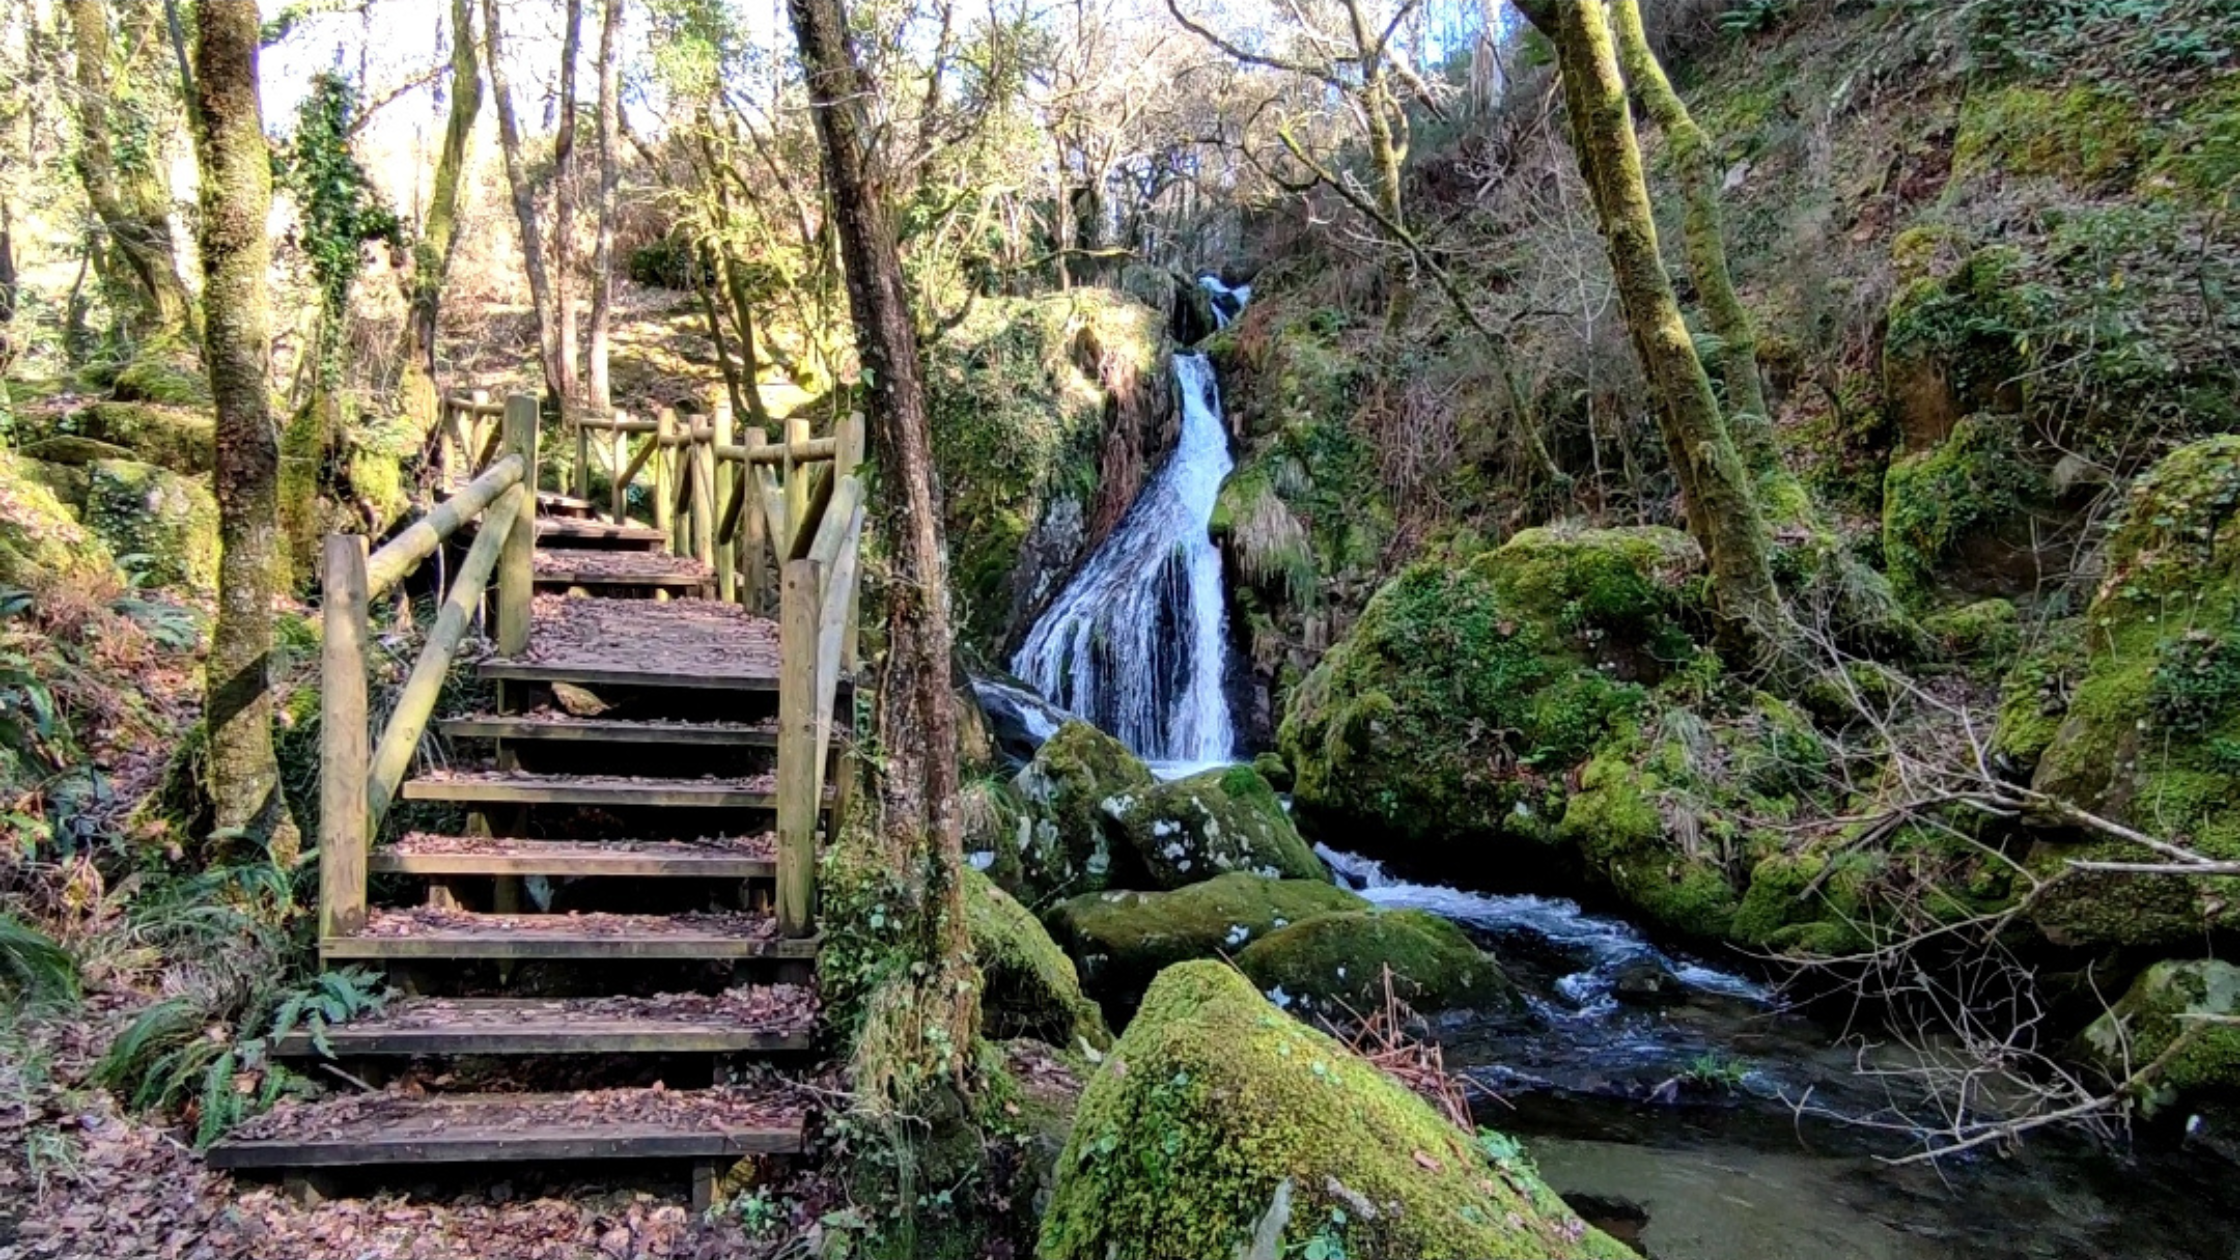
(1978, 481)
(162, 527)
(2085, 134)
(2163, 1004)
(1069, 846)
(1334, 964)
(1616, 820)
(162, 373)
(1211, 823)
(1123, 939)
(177, 438)
(1274, 769)
(41, 540)
(1028, 986)
(1987, 631)
(2200, 158)
(1213, 1100)
(1458, 678)
(1795, 906)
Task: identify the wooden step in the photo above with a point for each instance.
(430, 933)
(501, 787)
(592, 567)
(357, 1130)
(591, 534)
(696, 644)
(554, 503)
(762, 1019)
(563, 727)
(745, 857)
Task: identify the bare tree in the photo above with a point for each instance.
(431, 253)
(524, 207)
(610, 167)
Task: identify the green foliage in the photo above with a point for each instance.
(2116, 40)
(2196, 682)
(341, 208)
(34, 971)
(1755, 17)
(1716, 1070)
(1976, 482)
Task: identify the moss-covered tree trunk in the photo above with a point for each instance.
(138, 263)
(610, 167)
(1722, 507)
(431, 254)
(236, 253)
(918, 1023)
(524, 203)
(1749, 418)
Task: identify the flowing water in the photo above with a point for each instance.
(1137, 642)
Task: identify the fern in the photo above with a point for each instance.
(35, 970)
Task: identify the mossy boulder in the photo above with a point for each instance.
(2149, 733)
(162, 373)
(1217, 1119)
(1209, 824)
(1335, 963)
(1985, 632)
(41, 540)
(1958, 515)
(1466, 689)
(1028, 986)
(1071, 842)
(162, 527)
(1122, 939)
(180, 438)
(2167, 1001)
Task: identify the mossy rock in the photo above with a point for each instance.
(1029, 988)
(1209, 824)
(162, 527)
(67, 482)
(1958, 515)
(2150, 733)
(1072, 843)
(1617, 820)
(1985, 632)
(1955, 346)
(180, 438)
(1464, 690)
(1215, 1107)
(1274, 769)
(165, 374)
(1122, 939)
(41, 539)
(1334, 964)
(2167, 1001)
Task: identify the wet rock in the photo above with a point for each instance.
(1122, 939)
(1216, 1118)
(1070, 842)
(1644, 980)
(1335, 964)
(2169, 1001)
(1210, 824)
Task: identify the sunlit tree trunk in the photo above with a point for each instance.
(524, 205)
(919, 1025)
(236, 253)
(602, 251)
(431, 254)
(564, 205)
(131, 199)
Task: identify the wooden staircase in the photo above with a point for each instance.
(603, 913)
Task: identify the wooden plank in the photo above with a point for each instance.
(517, 564)
(554, 576)
(806, 451)
(402, 554)
(720, 497)
(798, 751)
(701, 457)
(625, 676)
(583, 461)
(580, 859)
(469, 1128)
(795, 481)
(846, 462)
(559, 790)
(409, 717)
(344, 817)
(556, 946)
(832, 620)
(754, 541)
(614, 1036)
(664, 478)
(640, 537)
(618, 487)
(595, 730)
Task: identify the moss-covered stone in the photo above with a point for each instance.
(1958, 513)
(180, 438)
(1029, 988)
(67, 482)
(1209, 824)
(1335, 963)
(2168, 1001)
(1215, 1106)
(1465, 690)
(162, 373)
(1122, 939)
(41, 540)
(162, 527)
(1986, 632)
(1071, 842)
(2150, 734)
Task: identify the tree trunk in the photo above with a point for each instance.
(610, 166)
(524, 204)
(431, 254)
(564, 204)
(1705, 239)
(1722, 508)
(132, 200)
(236, 253)
(919, 1026)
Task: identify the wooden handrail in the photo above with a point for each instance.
(813, 450)
(403, 553)
(474, 406)
(417, 702)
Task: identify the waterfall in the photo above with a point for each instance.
(1138, 640)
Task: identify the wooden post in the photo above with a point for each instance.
(796, 480)
(664, 481)
(703, 500)
(403, 553)
(727, 577)
(847, 460)
(475, 422)
(343, 827)
(754, 529)
(619, 468)
(517, 566)
(797, 750)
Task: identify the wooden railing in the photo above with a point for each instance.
(358, 776)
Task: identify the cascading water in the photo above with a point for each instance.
(1138, 640)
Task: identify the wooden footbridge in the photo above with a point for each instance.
(597, 889)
